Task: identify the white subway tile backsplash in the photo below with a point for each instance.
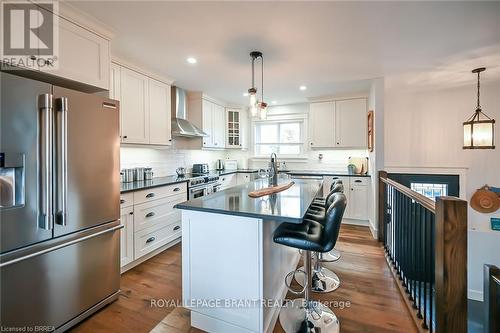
(165, 161)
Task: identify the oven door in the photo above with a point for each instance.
(197, 192)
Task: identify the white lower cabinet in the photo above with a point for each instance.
(152, 238)
(227, 181)
(150, 221)
(127, 236)
(356, 190)
(243, 178)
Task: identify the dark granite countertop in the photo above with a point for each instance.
(169, 180)
(155, 182)
(323, 173)
(289, 206)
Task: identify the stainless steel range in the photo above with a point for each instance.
(203, 184)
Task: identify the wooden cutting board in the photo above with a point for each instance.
(270, 190)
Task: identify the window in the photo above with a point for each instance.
(431, 191)
(280, 137)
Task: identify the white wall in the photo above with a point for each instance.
(423, 129)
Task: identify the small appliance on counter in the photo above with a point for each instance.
(360, 165)
(181, 172)
(200, 168)
(219, 165)
(231, 164)
(148, 173)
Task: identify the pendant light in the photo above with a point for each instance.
(257, 108)
(479, 129)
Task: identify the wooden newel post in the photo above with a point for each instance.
(381, 205)
(451, 265)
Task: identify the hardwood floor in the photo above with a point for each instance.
(366, 282)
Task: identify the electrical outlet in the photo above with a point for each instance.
(495, 223)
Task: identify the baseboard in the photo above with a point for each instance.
(475, 295)
(364, 223)
(373, 231)
(150, 255)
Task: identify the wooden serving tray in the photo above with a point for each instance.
(270, 190)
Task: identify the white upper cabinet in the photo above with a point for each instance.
(134, 107)
(145, 113)
(207, 123)
(213, 123)
(321, 124)
(351, 123)
(236, 128)
(159, 113)
(114, 81)
(218, 126)
(84, 56)
(338, 124)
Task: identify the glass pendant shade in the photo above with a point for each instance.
(254, 109)
(263, 111)
(479, 132)
(479, 129)
(252, 93)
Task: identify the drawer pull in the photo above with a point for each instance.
(150, 195)
(358, 181)
(177, 227)
(131, 213)
(150, 214)
(150, 239)
(122, 201)
(335, 177)
(177, 189)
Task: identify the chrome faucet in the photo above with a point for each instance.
(273, 170)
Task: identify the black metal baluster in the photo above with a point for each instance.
(426, 266)
(433, 272)
(407, 243)
(419, 261)
(412, 251)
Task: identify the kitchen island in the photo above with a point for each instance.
(232, 271)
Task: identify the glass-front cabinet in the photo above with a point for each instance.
(234, 130)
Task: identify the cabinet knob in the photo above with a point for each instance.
(131, 213)
(204, 143)
(33, 57)
(122, 201)
(125, 136)
(177, 227)
(312, 143)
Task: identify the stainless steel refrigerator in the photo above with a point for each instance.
(59, 204)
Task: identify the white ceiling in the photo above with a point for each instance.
(331, 47)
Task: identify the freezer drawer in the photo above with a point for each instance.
(53, 288)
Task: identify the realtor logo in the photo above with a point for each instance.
(29, 34)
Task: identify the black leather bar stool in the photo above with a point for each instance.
(320, 202)
(304, 314)
(317, 213)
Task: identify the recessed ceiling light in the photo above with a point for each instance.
(191, 60)
(303, 88)
(245, 94)
(274, 102)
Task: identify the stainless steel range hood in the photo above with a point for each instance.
(181, 126)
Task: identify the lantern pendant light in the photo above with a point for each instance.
(257, 108)
(479, 129)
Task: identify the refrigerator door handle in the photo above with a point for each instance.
(44, 165)
(61, 209)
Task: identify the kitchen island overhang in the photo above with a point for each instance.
(232, 271)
